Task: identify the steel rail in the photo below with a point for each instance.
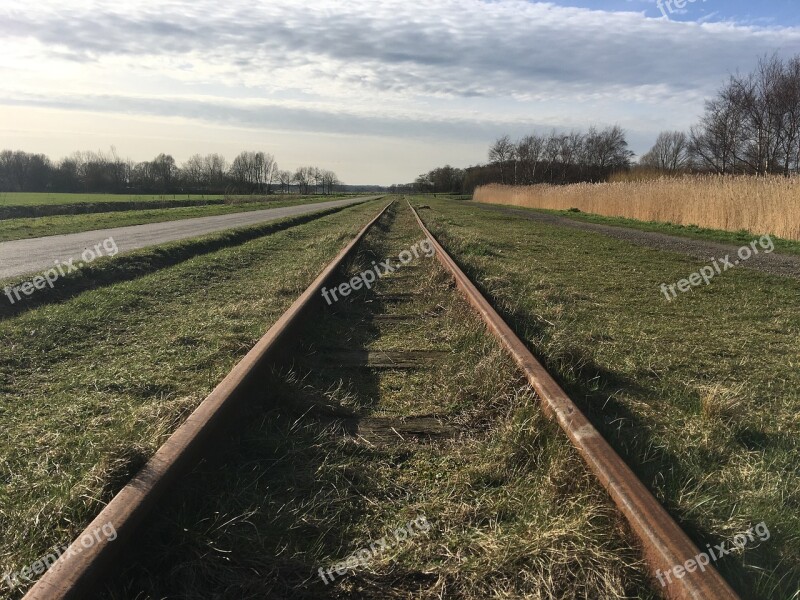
(76, 571)
(664, 543)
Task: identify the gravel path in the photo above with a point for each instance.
(786, 265)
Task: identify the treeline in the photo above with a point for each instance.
(752, 126)
(445, 179)
(556, 158)
(90, 172)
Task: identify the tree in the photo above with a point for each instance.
(606, 152)
(329, 182)
(194, 173)
(670, 153)
(303, 177)
(752, 125)
(529, 151)
(164, 172)
(501, 152)
(285, 179)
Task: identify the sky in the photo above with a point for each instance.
(377, 91)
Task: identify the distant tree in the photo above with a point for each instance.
(329, 182)
(529, 151)
(500, 153)
(194, 173)
(670, 153)
(164, 173)
(24, 172)
(285, 179)
(606, 152)
(303, 178)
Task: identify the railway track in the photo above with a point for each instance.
(348, 341)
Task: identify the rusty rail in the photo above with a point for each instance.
(74, 573)
(664, 543)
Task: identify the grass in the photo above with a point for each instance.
(335, 458)
(48, 198)
(15, 229)
(92, 385)
(700, 395)
(757, 205)
(54, 199)
(737, 238)
(108, 271)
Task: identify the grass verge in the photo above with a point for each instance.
(21, 228)
(129, 266)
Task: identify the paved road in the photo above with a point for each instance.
(34, 255)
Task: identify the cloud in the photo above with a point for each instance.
(282, 117)
(463, 47)
(461, 69)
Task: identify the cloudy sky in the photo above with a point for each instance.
(378, 91)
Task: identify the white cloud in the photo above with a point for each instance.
(464, 70)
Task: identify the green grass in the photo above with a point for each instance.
(48, 198)
(14, 229)
(91, 386)
(328, 464)
(701, 396)
(738, 238)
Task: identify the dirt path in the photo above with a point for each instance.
(786, 265)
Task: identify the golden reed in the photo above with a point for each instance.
(758, 205)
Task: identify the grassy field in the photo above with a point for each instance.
(46, 198)
(15, 229)
(335, 458)
(92, 385)
(758, 205)
(735, 238)
(701, 395)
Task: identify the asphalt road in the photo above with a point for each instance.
(35, 255)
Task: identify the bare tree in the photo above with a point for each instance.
(529, 151)
(606, 151)
(753, 123)
(285, 179)
(303, 178)
(501, 152)
(329, 182)
(670, 153)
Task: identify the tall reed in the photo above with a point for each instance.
(759, 205)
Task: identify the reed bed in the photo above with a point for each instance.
(758, 205)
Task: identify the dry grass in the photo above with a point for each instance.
(756, 205)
